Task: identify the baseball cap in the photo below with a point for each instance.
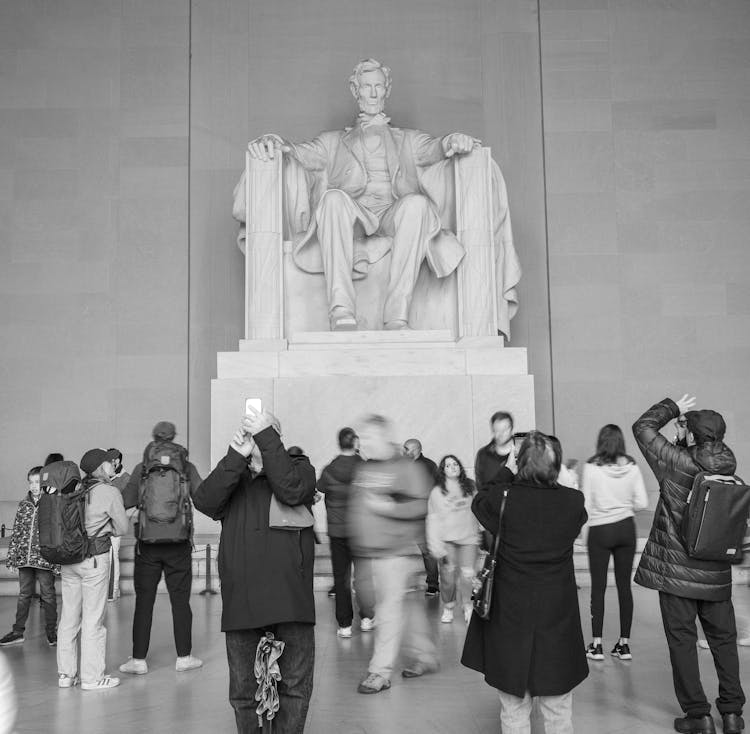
(94, 458)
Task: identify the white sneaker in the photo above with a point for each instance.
(134, 666)
(109, 681)
(367, 624)
(67, 681)
(345, 632)
(447, 617)
(188, 662)
(703, 644)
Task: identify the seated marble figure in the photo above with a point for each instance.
(353, 195)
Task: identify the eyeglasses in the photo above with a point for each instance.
(682, 422)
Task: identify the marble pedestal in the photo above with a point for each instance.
(430, 385)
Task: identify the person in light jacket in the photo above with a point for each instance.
(614, 491)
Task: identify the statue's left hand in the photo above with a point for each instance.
(459, 144)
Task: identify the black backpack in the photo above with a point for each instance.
(715, 519)
(62, 515)
(164, 509)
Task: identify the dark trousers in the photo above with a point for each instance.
(27, 578)
(174, 560)
(341, 562)
(717, 619)
(296, 665)
(431, 567)
(618, 540)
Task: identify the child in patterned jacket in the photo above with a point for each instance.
(24, 556)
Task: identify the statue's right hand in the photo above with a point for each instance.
(264, 148)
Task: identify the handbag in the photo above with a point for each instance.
(484, 581)
(288, 517)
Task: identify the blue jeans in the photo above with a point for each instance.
(27, 577)
(295, 687)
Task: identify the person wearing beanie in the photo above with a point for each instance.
(690, 588)
(173, 560)
(85, 584)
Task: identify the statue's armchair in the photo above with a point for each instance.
(478, 299)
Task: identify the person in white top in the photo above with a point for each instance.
(453, 534)
(614, 491)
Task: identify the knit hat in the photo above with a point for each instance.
(164, 431)
(705, 425)
(94, 458)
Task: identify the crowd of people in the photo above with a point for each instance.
(386, 502)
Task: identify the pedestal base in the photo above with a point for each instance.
(432, 387)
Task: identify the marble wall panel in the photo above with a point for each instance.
(71, 282)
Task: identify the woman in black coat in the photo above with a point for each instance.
(532, 645)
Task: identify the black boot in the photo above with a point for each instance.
(733, 723)
(695, 725)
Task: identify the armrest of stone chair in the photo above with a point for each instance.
(477, 292)
(264, 228)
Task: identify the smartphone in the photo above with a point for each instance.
(517, 441)
(255, 403)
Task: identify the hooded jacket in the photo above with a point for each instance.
(665, 564)
(23, 548)
(613, 492)
(266, 573)
(335, 482)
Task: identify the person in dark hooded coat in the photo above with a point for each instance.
(532, 645)
(688, 587)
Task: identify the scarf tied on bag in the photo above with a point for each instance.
(267, 675)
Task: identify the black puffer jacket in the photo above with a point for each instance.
(665, 565)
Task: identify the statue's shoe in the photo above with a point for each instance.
(344, 323)
(396, 325)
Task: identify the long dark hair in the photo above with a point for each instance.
(610, 446)
(466, 484)
(539, 460)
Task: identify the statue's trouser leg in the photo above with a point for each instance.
(412, 222)
(335, 216)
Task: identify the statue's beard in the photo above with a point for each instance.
(372, 109)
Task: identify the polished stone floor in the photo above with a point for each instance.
(617, 697)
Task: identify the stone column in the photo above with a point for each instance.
(264, 275)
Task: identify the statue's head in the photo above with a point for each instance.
(370, 85)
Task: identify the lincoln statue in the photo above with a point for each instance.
(369, 179)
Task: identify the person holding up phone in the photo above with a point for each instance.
(266, 573)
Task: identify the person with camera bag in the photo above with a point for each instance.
(690, 587)
(532, 644)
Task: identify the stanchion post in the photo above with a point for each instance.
(209, 588)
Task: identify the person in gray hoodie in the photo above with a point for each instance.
(688, 587)
(614, 491)
(335, 483)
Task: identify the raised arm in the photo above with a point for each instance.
(660, 454)
(214, 493)
(292, 478)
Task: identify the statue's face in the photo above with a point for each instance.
(371, 93)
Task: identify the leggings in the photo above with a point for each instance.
(617, 539)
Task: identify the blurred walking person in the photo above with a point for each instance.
(386, 517)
